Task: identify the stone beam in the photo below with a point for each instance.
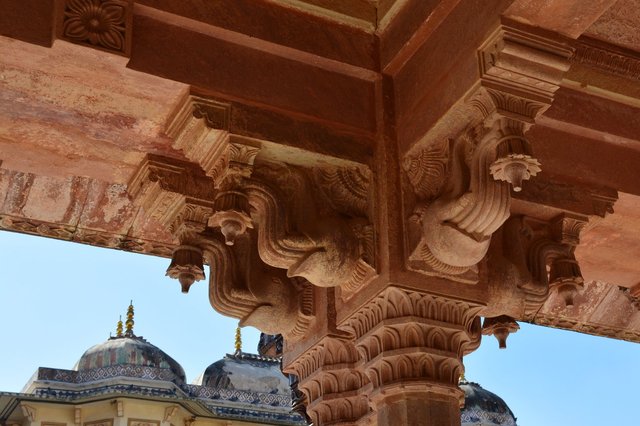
(567, 17)
(279, 136)
(78, 209)
(29, 20)
(598, 161)
(601, 309)
(275, 21)
(341, 93)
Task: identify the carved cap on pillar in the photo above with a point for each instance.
(414, 342)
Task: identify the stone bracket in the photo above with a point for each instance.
(542, 255)
(462, 184)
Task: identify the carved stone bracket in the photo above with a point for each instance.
(333, 381)
(543, 256)
(329, 254)
(243, 287)
(461, 184)
(105, 24)
(413, 341)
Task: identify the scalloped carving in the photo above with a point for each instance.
(407, 336)
(427, 170)
(332, 380)
(346, 188)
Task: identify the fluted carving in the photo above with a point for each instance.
(417, 340)
(333, 381)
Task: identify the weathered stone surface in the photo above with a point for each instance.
(355, 173)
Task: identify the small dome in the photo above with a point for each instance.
(484, 408)
(246, 372)
(129, 357)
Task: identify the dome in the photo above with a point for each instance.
(130, 356)
(484, 408)
(246, 372)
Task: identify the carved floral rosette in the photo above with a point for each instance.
(105, 24)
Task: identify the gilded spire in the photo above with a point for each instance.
(119, 327)
(130, 322)
(238, 343)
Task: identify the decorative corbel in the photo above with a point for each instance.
(29, 412)
(243, 287)
(564, 276)
(77, 416)
(542, 256)
(181, 197)
(329, 254)
(118, 404)
(335, 253)
(169, 413)
(232, 211)
(462, 184)
(500, 327)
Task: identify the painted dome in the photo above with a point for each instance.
(484, 408)
(246, 372)
(130, 357)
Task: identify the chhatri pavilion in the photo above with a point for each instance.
(381, 182)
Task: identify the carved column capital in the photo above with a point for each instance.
(332, 379)
(414, 342)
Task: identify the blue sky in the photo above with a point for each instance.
(59, 298)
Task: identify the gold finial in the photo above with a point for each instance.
(119, 327)
(238, 340)
(129, 323)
